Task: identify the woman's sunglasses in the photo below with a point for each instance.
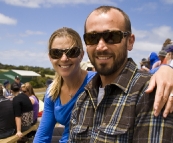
(73, 52)
(110, 37)
(24, 91)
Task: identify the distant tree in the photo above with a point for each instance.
(37, 82)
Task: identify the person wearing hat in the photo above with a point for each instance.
(17, 80)
(23, 110)
(7, 122)
(6, 89)
(169, 55)
(144, 65)
(162, 55)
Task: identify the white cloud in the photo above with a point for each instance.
(155, 35)
(146, 7)
(149, 41)
(168, 1)
(49, 3)
(30, 32)
(163, 32)
(7, 20)
(25, 57)
(147, 46)
(42, 42)
(20, 41)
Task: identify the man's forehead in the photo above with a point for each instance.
(105, 21)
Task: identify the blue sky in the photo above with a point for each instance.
(26, 25)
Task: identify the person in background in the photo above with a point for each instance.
(166, 44)
(162, 55)
(48, 82)
(154, 60)
(29, 91)
(144, 64)
(6, 89)
(169, 56)
(17, 81)
(7, 122)
(65, 53)
(114, 106)
(23, 110)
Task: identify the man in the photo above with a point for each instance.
(115, 106)
(7, 122)
(17, 80)
(162, 55)
(169, 56)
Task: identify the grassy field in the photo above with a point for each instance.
(39, 92)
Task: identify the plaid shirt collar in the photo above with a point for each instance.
(122, 81)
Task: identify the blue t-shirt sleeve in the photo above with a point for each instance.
(47, 123)
(152, 71)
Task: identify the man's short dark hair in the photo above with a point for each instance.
(15, 87)
(17, 77)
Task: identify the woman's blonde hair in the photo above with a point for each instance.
(55, 88)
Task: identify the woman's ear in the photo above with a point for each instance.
(49, 57)
(130, 42)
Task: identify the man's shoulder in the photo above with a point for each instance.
(142, 75)
(4, 99)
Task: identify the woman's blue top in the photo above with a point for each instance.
(54, 112)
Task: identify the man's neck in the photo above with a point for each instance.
(108, 79)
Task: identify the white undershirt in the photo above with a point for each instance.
(100, 95)
(171, 63)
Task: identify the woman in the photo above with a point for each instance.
(65, 53)
(6, 89)
(28, 90)
(22, 107)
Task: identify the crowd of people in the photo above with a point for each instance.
(20, 106)
(114, 103)
(165, 56)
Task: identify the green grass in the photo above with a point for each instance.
(37, 90)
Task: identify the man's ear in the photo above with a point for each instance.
(130, 42)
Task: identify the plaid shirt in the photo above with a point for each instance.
(124, 115)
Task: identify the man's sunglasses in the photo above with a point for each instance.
(110, 37)
(73, 52)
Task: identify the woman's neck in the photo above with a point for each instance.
(73, 84)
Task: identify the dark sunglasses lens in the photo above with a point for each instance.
(70, 53)
(55, 53)
(91, 38)
(73, 52)
(113, 37)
